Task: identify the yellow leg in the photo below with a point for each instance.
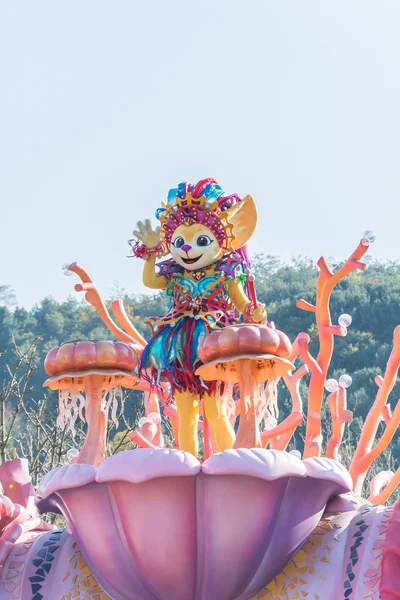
(216, 413)
(188, 412)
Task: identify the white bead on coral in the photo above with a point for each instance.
(72, 453)
(331, 385)
(154, 417)
(345, 381)
(345, 320)
(368, 237)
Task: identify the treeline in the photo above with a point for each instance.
(372, 298)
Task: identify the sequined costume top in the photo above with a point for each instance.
(200, 302)
(204, 297)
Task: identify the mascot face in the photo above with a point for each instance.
(194, 246)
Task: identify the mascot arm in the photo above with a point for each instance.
(150, 277)
(237, 295)
(241, 302)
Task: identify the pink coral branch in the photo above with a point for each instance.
(383, 485)
(295, 348)
(280, 436)
(139, 439)
(288, 425)
(152, 406)
(171, 412)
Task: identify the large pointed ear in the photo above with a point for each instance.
(243, 218)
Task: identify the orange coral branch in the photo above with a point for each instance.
(387, 435)
(304, 305)
(303, 341)
(293, 384)
(336, 330)
(333, 403)
(364, 454)
(352, 264)
(386, 410)
(81, 272)
(379, 380)
(295, 347)
(388, 482)
(337, 403)
(92, 296)
(327, 281)
(123, 319)
(323, 267)
(386, 413)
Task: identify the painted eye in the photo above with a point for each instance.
(178, 243)
(204, 240)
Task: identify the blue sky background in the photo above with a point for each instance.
(106, 105)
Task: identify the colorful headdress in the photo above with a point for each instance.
(206, 203)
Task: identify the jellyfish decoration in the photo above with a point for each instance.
(247, 355)
(89, 377)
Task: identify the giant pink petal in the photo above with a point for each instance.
(167, 527)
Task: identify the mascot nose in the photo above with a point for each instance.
(186, 247)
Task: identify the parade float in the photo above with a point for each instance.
(228, 513)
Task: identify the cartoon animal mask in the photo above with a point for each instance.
(199, 224)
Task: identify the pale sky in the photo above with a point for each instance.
(105, 105)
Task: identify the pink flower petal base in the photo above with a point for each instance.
(157, 524)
